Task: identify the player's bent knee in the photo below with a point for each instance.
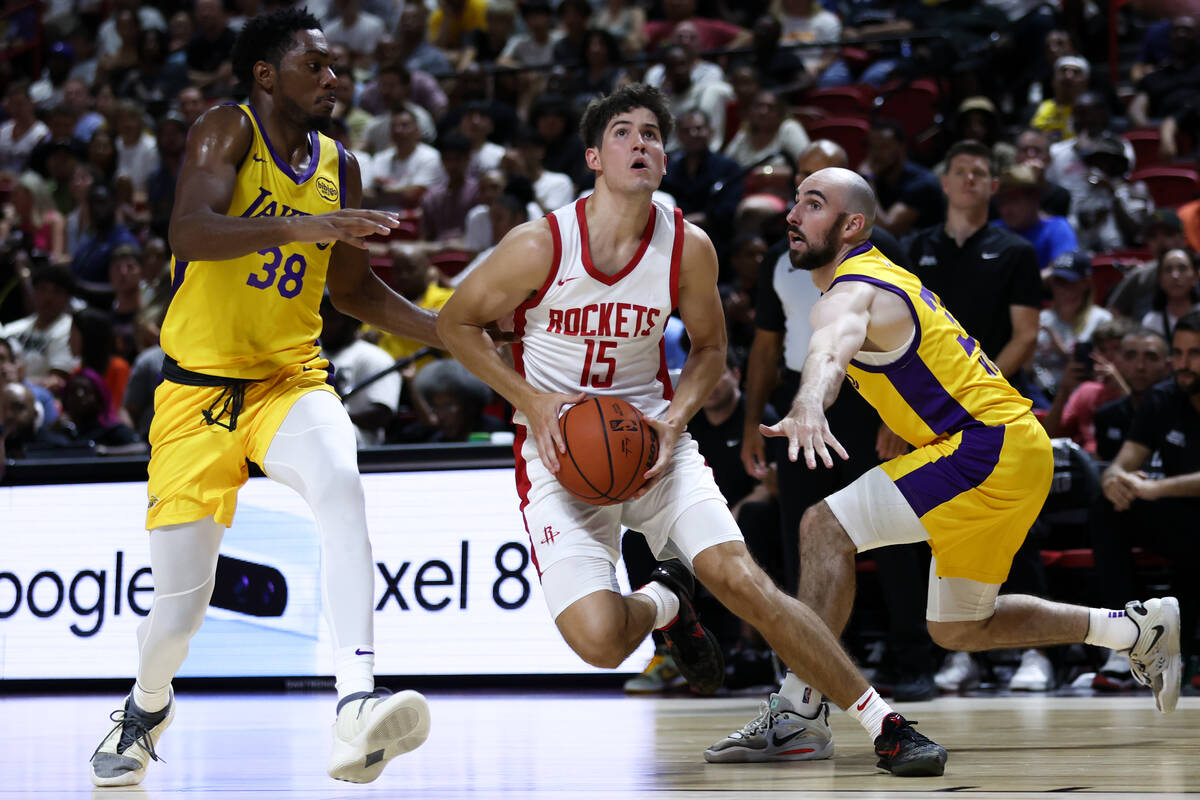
(594, 627)
(965, 636)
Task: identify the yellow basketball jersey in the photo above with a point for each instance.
(249, 316)
(943, 382)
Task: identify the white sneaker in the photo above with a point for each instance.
(958, 673)
(1036, 673)
(372, 729)
(1155, 658)
(123, 754)
(1114, 675)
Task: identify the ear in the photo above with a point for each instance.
(592, 157)
(264, 74)
(995, 187)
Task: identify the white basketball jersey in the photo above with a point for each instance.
(603, 334)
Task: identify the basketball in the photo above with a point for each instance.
(609, 447)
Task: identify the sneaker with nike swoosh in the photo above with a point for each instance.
(778, 733)
(1155, 659)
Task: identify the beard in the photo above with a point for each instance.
(308, 120)
(1191, 386)
(817, 256)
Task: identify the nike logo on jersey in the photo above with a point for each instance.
(989, 256)
(562, 281)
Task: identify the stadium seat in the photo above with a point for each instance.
(849, 132)
(1169, 186)
(1145, 143)
(914, 105)
(767, 179)
(450, 262)
(852, 100)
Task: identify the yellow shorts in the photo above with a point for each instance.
(976, 494)
(196, 468)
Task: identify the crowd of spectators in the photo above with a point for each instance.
(1053, 208)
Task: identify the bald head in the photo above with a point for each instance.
(820, 154)
(847, 192)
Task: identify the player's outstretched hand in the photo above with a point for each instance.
(808, 430)
(349, 225)
(543, 412)
(668, 434)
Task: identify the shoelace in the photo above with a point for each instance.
(133, 731)
(761, 722)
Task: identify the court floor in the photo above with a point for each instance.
(602, 744)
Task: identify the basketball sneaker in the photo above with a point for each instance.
(660, 675)
(959, 673)
(695, 650)
(904, 752)
(1155, 659)
(1035, 673)
(778, 733)
(372, 728)
(1114, 675)
(123, 754)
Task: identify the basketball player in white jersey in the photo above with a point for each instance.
(591, 286)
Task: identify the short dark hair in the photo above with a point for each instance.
(453, 142)
(397, 68)
(635, 95)
(56, 274)
(1188, 322)
(892, 126)
(971, 147)
(267, 37)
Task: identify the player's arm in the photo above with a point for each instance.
(762, 366)
(1116, 481)
(839, 320)
(202, 228)
(356, 290)
(514, 272)
(703, 317)
(1019, 349)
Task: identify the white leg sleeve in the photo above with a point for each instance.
(314, 452)
(183, 559)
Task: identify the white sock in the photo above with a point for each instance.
(151, 701)
(354, 669)
(1111, 629)
(804, 698)
(666, 604)
(869, 710)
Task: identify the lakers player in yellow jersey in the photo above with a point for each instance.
(973, 484)
(266, 219)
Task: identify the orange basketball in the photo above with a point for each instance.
(609, 447)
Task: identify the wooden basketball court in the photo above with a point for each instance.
(602, 744)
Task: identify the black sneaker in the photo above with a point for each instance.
(915, 687)
(904, 752)
(695, 650)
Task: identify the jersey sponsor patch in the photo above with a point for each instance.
(327, 189)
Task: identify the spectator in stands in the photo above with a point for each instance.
(552, 117)
(1065, 163)
(778, 68)
(1157, 514)
(1072, 317)
(355, 118)
(1110, 211)
(12, 370)
(355, 28)
(154, 79)
(452, 21)
(486, 44)
(42, 340)
(714, 34)
(601, 69)
(404, 172)
(191, 104)
(535, 47)
(701, 70)
(395, 87)
(1033, 151)
(1091, 378)
(137, 150)
(909, 195)
(125, 277)
(78, 102)
(551, 190)
(683, 94)
(412, 276)
(77, 184)
(625, 20)
(445, 206)
(574, 17)
(1017, 199)
(452, 402)
(22, 427)
(706, 185)
(93, 343)
(119, 63)
(987, 276)
(739, 289)
(1173, 85)
(413, 45)
(505, 212)
(88, 418)
(767, 137)
(355, 361)
(33, 214)
(1053, 115)
(1154, 51)
(210, 51)
(1142, 364)
(1178, 292)
(170, 142)
(1133, 297)
(46, 91)
(22, 130)
(89, 261)
(807, 22)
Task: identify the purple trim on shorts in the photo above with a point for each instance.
(314, 147)
(937, 482)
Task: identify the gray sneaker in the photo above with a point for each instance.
(778, 733)
(1155, 659)
(122, 756)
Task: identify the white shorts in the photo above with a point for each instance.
(874, 513)
(585, 540)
